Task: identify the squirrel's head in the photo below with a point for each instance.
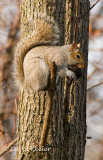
(77, 55)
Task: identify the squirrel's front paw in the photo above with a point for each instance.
(71, 75)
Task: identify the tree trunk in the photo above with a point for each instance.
(67, 126)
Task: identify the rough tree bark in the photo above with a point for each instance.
(67, 130)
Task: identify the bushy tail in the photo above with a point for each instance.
(46, 33)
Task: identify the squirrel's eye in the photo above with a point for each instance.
(77, 56)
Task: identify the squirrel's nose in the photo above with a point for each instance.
(81, 65)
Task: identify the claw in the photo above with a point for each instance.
(72, 75)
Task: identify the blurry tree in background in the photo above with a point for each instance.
(9, 27)
(94, 147)
(9, 34)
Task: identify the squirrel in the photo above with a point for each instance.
(35, 51)
(33, 57)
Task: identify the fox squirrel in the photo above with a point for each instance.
(32, 53)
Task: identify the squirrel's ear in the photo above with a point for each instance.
(79, 45)
(73, 46)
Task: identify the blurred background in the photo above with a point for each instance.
(94, 146)
(9, 36)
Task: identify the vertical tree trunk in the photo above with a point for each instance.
(67, 129)
(75, 94)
